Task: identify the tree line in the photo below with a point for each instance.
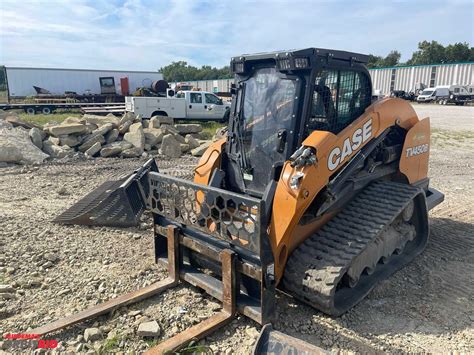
(427, 53)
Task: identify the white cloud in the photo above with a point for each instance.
(146, 34)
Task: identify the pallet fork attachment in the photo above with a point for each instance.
(198, 331)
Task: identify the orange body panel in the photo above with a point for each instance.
(210, 160)
(332, 152)
(416, 152)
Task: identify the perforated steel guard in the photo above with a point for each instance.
(223, 214)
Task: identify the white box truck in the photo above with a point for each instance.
(185, 105)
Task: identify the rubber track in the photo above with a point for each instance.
(314, 269)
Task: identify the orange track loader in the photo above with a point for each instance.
(316, 190)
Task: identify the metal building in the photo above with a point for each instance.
(407, 77)
(20, 81)
(387, 79)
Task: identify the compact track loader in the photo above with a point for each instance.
(315, 191)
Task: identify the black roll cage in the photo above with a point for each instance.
(318, 59)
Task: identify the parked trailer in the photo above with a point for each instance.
(85, 82)
(47, 108)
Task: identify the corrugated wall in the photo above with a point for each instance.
(405, 78)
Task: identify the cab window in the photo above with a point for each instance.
(212, 99)
(339, 97)
(196, 98)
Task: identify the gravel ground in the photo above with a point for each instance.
(58, 270)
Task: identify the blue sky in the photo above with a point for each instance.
(146, 34)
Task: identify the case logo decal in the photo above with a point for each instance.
(338, 155)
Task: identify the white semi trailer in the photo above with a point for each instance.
(21, 81)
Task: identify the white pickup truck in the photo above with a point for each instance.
(190, 105)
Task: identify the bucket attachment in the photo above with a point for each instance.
(115, 203)
(274, 342)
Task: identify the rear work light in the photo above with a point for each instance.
(301, 63)
(284, 64)
(238, 67)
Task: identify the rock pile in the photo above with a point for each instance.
(128, 136)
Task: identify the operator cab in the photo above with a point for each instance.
(279, 98)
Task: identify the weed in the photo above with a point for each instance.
(111, 344)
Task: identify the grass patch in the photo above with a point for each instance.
(151, 342)
(111, 344)
(43, 119)
(209, 128)
(444, 137)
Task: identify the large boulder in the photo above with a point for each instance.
(184, 147)
(16, 147)
(157, 121)
(94, 149)
(168, 129)
(170, 147)
(127, 117)
(136, 136)
(110, 151)
(70, 140)
(90, 140)
(16, 121)
(56, 151)
(5, 124)
(199, 151)
(112, 136)
(68, 128)
(36, 137)
(123, 128)
(54, 140)
(101, 120)
(153, 136)
(193, 142)
(188, 128)
(74, 120)
(179, 138)
(133, 152)
(103, 129)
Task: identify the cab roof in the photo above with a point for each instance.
(307, 52)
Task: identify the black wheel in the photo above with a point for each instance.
(30, 110)
(46, 110)
(159, 113)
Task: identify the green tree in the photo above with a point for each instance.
(434, 52)
(392, 59)
(459, 52)
(182, 71)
